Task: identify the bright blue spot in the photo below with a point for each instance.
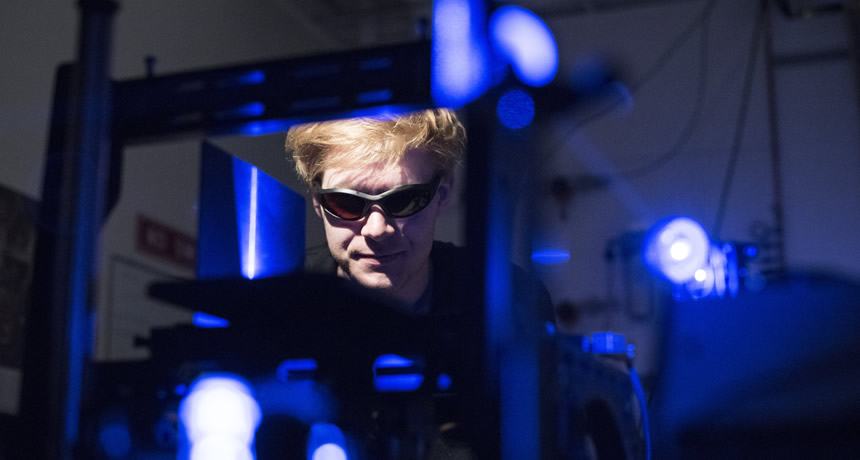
(370, 97)
(206, 320)
(258, 128)
(515, 109)
(527, 44)
(115, 439)
(550, 328)
(253, 109)
(443, 382)
(254, 77)
(392, 361)
(550, 256)
(384, 379)
(180, 389)
(750, 251)
(219, 408)
(326, 442)
(459, 56)
(675, 248)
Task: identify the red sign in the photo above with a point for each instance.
(161, 241)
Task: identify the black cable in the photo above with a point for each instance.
(692, 123)
(741, 121)
(646, 76)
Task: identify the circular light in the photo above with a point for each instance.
(221, 406)
(526, 42)
(515, 109)
(329, 451)
(700, 275)
(680, 250)
(675, 248)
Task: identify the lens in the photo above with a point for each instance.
(406, 203)
(348, 207)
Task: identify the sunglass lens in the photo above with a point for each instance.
(345, 206)
(407, 202)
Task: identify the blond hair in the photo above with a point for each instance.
(359, 142)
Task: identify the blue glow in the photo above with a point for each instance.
(259, 128)
(250, 266)
(750, 251)
(115, 439)
(206, 320)
(550, 328)
(296, 369)
(220, 417)
(254, 77)
(392, 361)
(515, 109)
(459, 55)
(180, 389)
(253, 109)
(443, 382)
(326, 442)
(550, 256)
(384, 379)
(371, 97)
(526, 42)
(329, 451)
(676, 248)
(263, 206)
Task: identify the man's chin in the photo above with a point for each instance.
(375, 281)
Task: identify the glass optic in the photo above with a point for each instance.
(403, 201)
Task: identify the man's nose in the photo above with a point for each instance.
(377, 226)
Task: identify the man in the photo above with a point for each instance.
(379, 186)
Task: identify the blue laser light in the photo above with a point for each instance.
(220, 417)
(526, 42)
(676, 248)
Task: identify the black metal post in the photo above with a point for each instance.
(59, 333)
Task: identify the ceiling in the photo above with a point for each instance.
(353, 23)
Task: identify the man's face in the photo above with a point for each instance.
(379, 251)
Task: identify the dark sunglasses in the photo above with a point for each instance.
(403, 201)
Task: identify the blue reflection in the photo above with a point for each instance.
(527, 44)
(550, 256)
(459, 55)
(253, 77)
(270, 238)
(515, 109)
(396, 373)
(326, 442)
(444, 382)
(206, 320)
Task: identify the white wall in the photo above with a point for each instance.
(818, 130)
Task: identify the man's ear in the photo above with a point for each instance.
(446, 189)
(317, 207)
